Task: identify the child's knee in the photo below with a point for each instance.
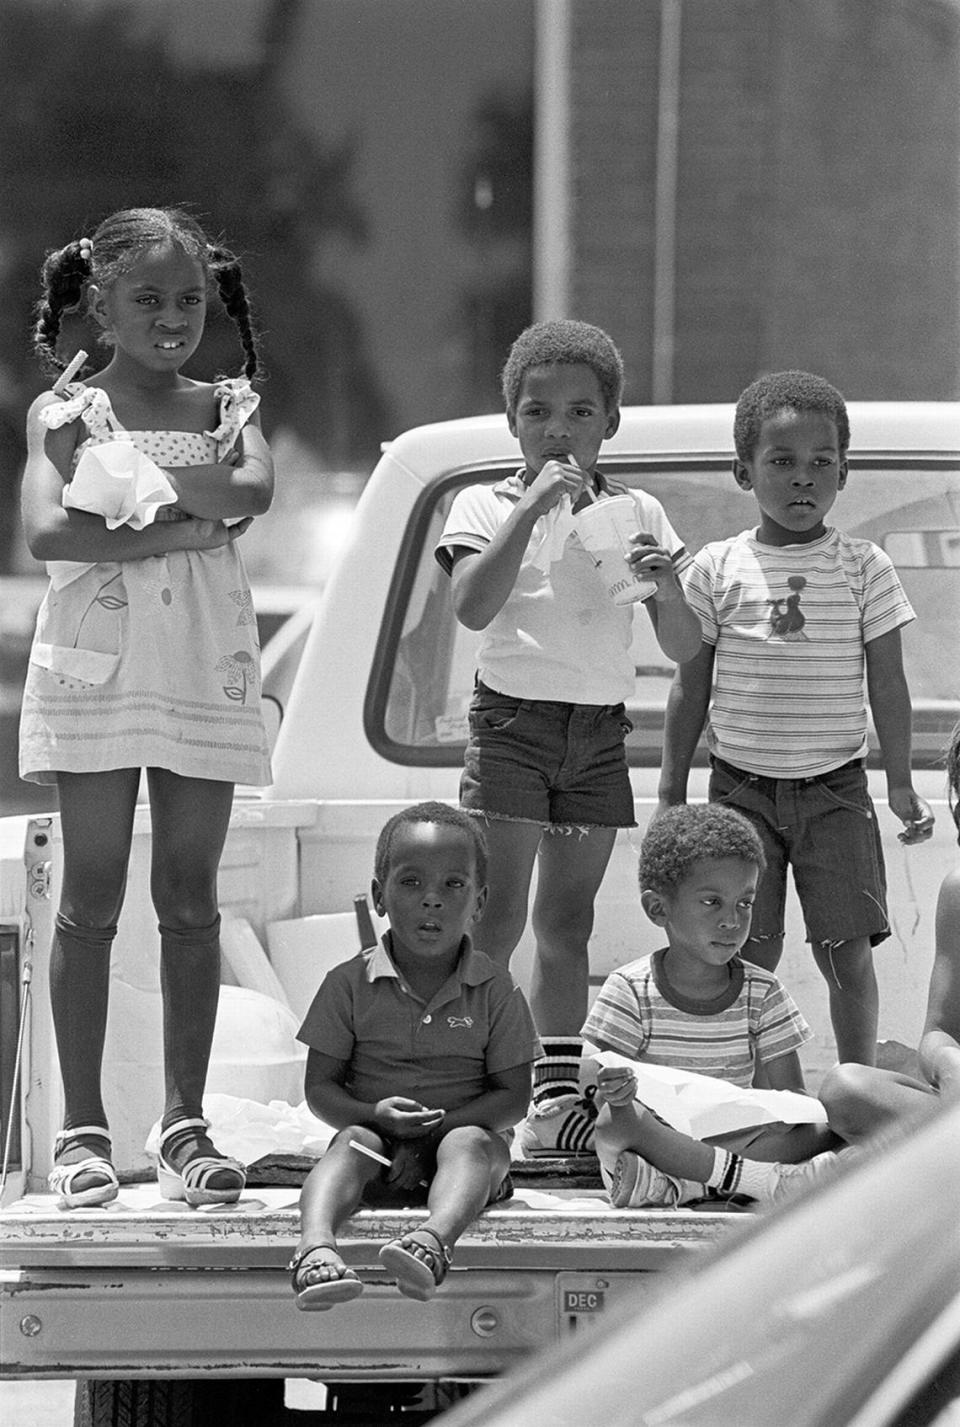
(846, 965)
(844, 1088)
(564, 924)
(474, 1141)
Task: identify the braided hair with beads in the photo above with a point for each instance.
(112, 249)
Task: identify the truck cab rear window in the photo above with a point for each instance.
(423, 676)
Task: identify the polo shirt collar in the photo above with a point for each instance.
(472, 969)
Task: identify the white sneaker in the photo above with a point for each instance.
(790, 1180)
(635, 1183)
(559, 1127)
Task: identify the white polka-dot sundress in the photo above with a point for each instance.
(150, 663)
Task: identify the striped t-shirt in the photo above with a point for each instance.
(790, 624)
(639, 1014)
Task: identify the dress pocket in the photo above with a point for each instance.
(75, 666)
(81, 627)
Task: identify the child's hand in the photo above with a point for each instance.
(914, 813)
(405, 1119)
(616, 1085)
(650, 561)
(556, 479)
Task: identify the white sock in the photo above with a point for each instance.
(556, 1074)
(732, 1174)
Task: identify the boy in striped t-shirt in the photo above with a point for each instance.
(696, 1006)
(795, 616)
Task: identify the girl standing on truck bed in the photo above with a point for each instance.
(145, 656)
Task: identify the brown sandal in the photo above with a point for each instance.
(417, 1277)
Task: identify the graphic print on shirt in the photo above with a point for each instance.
(787, 622)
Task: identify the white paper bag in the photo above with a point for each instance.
(700, 1105)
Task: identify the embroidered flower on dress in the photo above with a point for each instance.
(243, 599)
(241, 669)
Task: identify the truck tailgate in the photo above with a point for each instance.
(146, 1289)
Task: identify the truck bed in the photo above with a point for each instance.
(103, 1292)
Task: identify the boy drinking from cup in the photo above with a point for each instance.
(545, 765)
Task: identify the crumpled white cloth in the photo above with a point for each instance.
(117, 481)
(556, 526)
(248, 1130)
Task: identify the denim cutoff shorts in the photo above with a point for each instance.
(546, 762)
(825, 828)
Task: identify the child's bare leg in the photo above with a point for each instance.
(780, 1144)
(861, 1099)
(330, 1194)
(511, 852)
(96, 815)
(571, 867)
(633, 1127)
(848, 970)
(471, 1164)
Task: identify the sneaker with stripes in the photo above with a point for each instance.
(635, 1183)
(561, 1126)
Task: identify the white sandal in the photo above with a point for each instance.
(62, 1177)
(192, 1183)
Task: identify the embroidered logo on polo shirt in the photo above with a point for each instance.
(455, 1022)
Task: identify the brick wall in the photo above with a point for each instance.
(818, 201)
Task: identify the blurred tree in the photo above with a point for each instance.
(496, 191)
(98, 116)
(495, 212)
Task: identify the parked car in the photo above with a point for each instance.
(842, 1310)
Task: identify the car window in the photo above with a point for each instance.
(423, 679)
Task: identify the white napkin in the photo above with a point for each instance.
(120, 483)
(557, 526)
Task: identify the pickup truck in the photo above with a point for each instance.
(166, 1315)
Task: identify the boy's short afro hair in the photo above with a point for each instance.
(564, 340)
(431, 812)
(691, 833)
(786, 391)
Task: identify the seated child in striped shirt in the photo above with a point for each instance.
(696, 1006)
(797, 617)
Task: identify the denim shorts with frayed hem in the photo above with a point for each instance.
(825, 828)
(546, 762)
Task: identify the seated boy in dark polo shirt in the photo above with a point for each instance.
(421, 1054)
